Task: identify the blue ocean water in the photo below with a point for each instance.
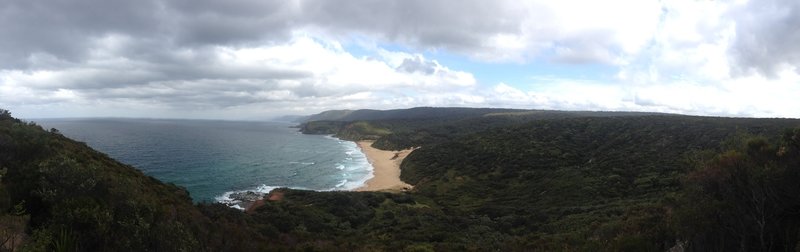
(212, 159)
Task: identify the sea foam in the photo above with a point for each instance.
(353, 169)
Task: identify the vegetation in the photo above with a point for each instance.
(58, 194)
(406, 128)
(751, 196)
(407, 114)
(484, 180)
(580, 183)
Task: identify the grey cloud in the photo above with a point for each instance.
(64, 28)
(233, 22)
(190, 94)
(167, 44)
(139, 74)
(462, 25)
(417, 64)
(767, 36)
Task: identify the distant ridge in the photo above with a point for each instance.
(450, 113)
(289, 118)
(410, 113)
(330, 115)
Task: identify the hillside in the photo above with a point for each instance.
(416, 113)
(577, 181)
(551, 179)
(513, 181)
(406, 128)
(58, 194)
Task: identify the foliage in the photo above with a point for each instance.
(750, 195)
(321, 127)
(485, 179)
(407, 128)
(74, 197)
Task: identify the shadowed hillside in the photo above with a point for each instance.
(513, 181)
(71, 197)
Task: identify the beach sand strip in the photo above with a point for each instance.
(386, 166)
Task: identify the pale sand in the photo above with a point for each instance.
(386, 173)
(386, 166)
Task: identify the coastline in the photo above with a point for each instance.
(386, 168)
(385, 178)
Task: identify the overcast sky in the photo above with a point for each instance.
(254, 59)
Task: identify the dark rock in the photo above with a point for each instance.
(247, 196)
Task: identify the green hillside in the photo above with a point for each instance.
(58, 194)
(410, 113)
(508, 181)
(578, 182)
(424, 126)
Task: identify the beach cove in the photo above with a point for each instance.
(385, 175)
(386, 168)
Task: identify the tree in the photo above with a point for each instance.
(5, 115)
(747, 198)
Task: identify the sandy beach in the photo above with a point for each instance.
(386, 173)
(386, 166)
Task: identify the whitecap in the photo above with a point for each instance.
(226, 199)
(350, 185)
(341, 183)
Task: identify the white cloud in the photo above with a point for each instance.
(751, 96)
(247, 58)
(228, 78)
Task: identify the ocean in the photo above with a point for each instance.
(213, 159)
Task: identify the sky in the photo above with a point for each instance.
(255, 59)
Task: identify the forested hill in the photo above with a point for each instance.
(557, 180)
(414, 127)
(609, 182)
(509, 181)
(442, 113)
(411, 113)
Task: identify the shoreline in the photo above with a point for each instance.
(385, 168)
(385, 176)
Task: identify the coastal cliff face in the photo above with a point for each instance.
(519, 181)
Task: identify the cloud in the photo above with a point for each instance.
(289, 74)
(732, 98)
(575, 32)
(243, 58)
(768, 37)
(418, 64)
(503, 30)
(64, 28)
